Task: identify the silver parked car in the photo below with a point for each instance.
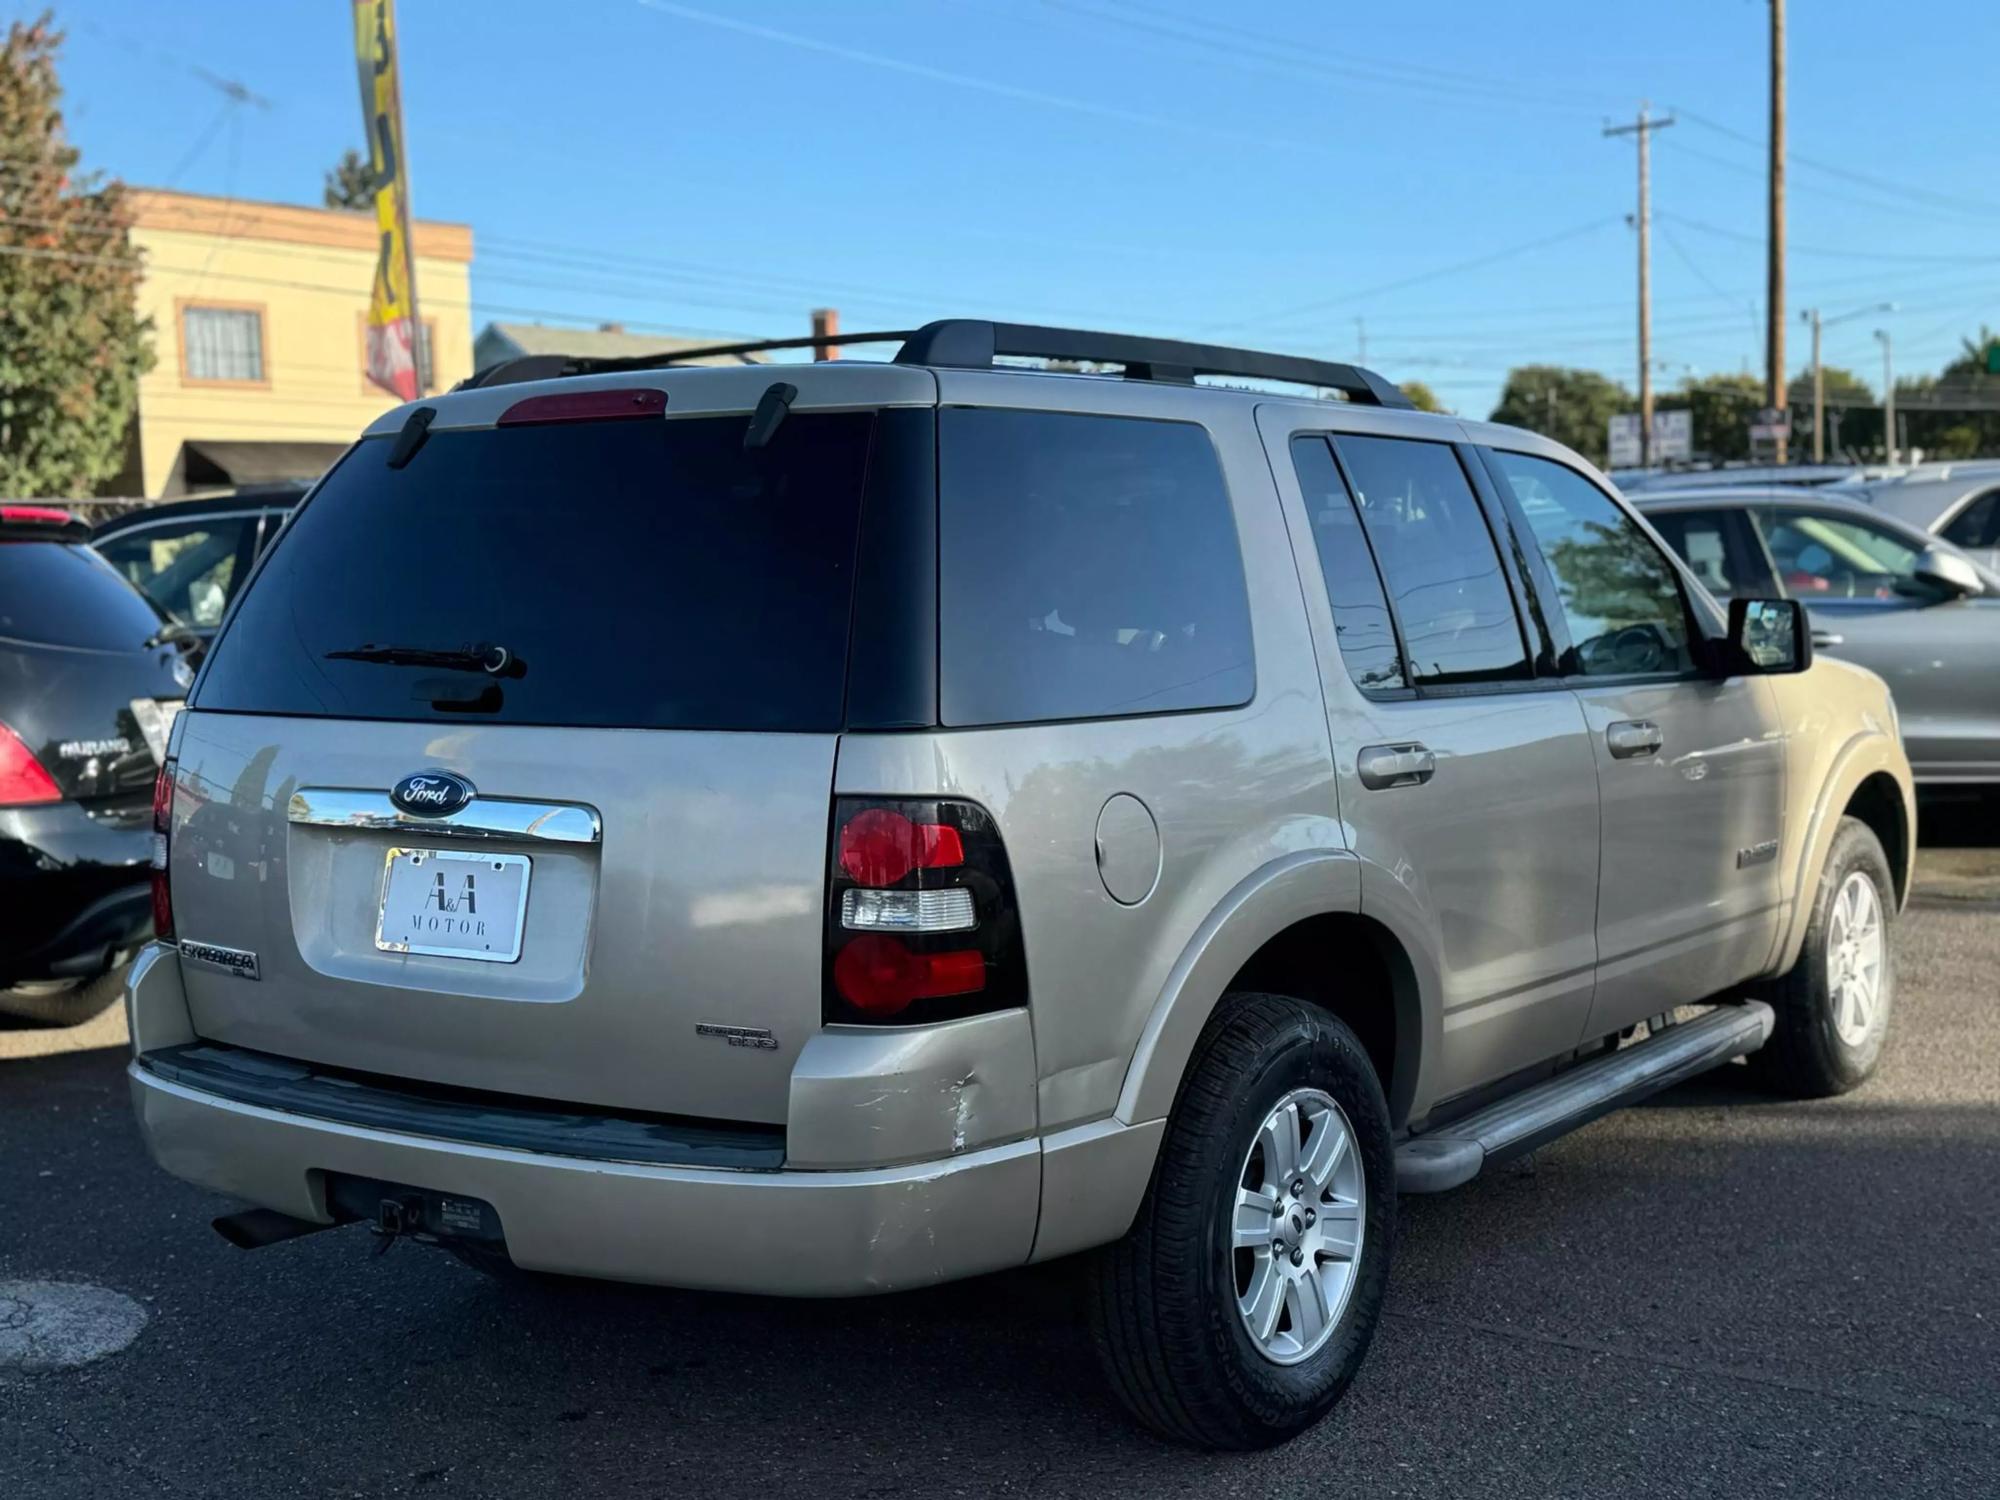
(1959, 502)
(1882, 592)
(941, 816)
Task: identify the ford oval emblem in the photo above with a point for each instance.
(432, 794)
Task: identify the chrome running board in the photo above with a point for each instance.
(1453, 1154)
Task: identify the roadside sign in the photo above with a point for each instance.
(1673, 436)
(1770, 425)
(1624, 441)
(1993, 358)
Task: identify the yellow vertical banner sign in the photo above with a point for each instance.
(395, 358)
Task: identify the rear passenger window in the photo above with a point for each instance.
(1978, 525)
(1354, 589)
(1620, 595)
(1438, 560)
(1088, 568)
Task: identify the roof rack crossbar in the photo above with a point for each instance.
(972, 344)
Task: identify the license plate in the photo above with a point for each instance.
(453, 903)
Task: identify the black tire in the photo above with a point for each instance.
(1163, 1300)
(1806, 1057)
(65, 1005)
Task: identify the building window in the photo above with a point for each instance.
(222, 344)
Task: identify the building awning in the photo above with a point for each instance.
(204, 465)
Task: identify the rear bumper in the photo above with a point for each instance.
(835, 1230)
(73, 887)
(785, 1233)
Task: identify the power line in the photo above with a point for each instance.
(1350, 298)
(1959, 217)
(969, 81)
(1988, 259)
(1879, 184)
(1260, 54)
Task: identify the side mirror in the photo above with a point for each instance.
(1948, 573)
(1767, 637)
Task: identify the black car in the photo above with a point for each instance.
(91, 675)
(190, 556)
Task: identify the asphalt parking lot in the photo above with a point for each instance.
(1713, 1294)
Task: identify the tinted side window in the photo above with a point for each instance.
(1721, 548)
(1438, 560)
(1088, 568)
(1978, 525)
(187, 569)
(1620, 595)
(1353, 587)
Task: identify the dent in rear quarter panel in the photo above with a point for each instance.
(1230, 790)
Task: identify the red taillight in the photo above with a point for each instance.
(879, 847)
(880, 976)
(921, 924)
(586, 406)
(35, 515)
(22, 778)
(163, 822)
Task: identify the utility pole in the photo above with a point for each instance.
(1812, 316)
(1643, 128)
(1774, 311)
(826, 332)
(1819, 392)
(1361, 339)
(1888, 399)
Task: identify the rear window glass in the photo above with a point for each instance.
(63, 594)
(1088, 568)
(645, 574)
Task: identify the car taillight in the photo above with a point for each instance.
(22, 777)
(921, 923)
(163, 822)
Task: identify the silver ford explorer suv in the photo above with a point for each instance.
(938, 815)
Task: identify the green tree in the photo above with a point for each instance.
(1422, 396)
(1575, 407)
(72, 344)
(1722, 407)
(1843, 388)
(350, 182)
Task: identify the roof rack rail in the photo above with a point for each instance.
(969, 344)
(972, 344)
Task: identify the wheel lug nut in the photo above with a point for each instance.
(1299, 1188)
(1311, 1217)
(1298, 1257)
(1277, 1247)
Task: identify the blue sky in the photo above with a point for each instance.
(1253, 174)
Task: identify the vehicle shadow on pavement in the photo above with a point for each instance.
(1692, 1278)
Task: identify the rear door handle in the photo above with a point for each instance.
(1386, 766)
(1631, 737)
(1828, 638)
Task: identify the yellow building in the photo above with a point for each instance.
(258, 316)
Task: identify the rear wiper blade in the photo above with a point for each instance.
(496, 660)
